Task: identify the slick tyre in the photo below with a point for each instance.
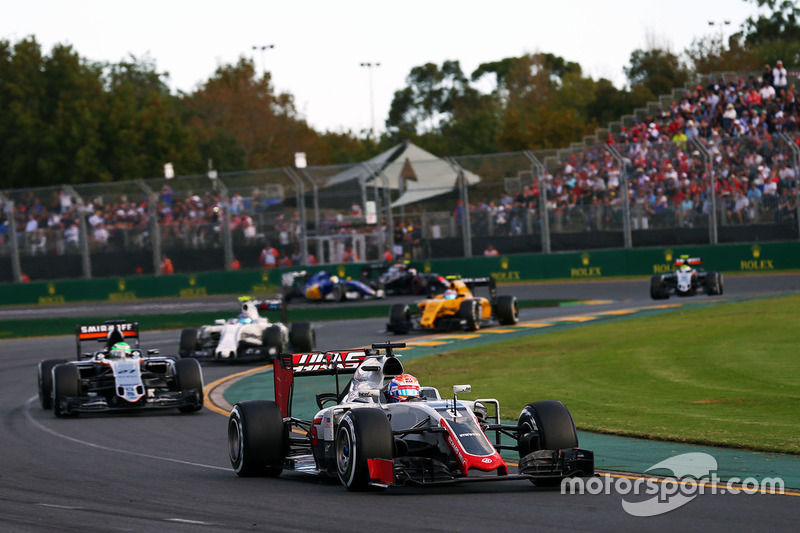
(399, 321)
(714, 283)
(469, 312)
(657, 290)
(66, 384)
(273, 336)
(257, 439)
(188, 342)
(507, 310)
(45, 381)
(362, 434)
(303, 337)
(545, 425)
(189, 377)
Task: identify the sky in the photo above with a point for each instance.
(319, 45)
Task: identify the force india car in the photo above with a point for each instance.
(249, 336)
(456, 308)
(362, 439)
(687, 280)
(401, 278)
(323, 286)
(99, 381)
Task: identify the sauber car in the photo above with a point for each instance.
(324, 286)
(248, 336)
(687, 280)
(456, 308)
(364, 440)
(107, 380)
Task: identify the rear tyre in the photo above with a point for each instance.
(189, 377)
(363, 434)
(45, 381)
(507, 310)
(469, 312)
(399, 319)
(188, 343)
(303, 337)
(257, 439)
(657, 289)
(338, 292)
(66, 384)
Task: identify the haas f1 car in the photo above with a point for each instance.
(249, 336)
(402, 278)
(687, 280)
(118, 376)
(456, 308)
(365, 440)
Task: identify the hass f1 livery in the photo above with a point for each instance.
(456, 308)
(687, 280)
(367, 436)
(118, 376)
(249, 336)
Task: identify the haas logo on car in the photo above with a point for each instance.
(313, 362)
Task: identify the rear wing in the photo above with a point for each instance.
(686, 260)
(109, 333)
(263, 304)
(333, 363)
(484, 281)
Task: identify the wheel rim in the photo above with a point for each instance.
(235, 441)
(344, 454)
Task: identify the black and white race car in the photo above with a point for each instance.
(249, 336)
(364, 440)
(687, 280)
(118, 376)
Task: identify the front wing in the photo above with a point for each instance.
(151, 400)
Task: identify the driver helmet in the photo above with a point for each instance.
(450, 294)
(403, 387)
(120, 350)
(244, 318)
(684, 268)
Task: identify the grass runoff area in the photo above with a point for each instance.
(726, 375)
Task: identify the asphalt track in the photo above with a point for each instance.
(170, 472)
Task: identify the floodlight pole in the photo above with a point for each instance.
(370, 66)
(712, 230)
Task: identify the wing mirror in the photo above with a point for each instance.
(458, 389)
(220, 322)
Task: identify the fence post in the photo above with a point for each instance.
(712, 219)
(155, 230)
(315, 193)
(626, 199)
(8, 206)
(796, 167)
(540, 171)
(83, 241)
(387, 199)
(466, 228)
(299, 191)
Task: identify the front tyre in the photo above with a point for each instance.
(657, 289)
(363, 434)
(470, 313)
(257, 439)
(189, 377)
(45, 381)
(545, 425)
(399, 319)
(66, 385)
(303, 337)
(188, 342)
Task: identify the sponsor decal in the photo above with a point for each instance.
(585, 271)
(316, 362)
(117, 296)
(756, 263)
(105, 328)
(193, 291)
(48, 300)
(512, 275)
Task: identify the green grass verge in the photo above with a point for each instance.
(315, 313)
(725, 375)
